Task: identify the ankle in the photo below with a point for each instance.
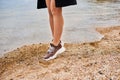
(56, 43)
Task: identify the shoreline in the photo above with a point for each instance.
(90, 60)
(87, 35)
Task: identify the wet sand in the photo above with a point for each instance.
(98, 60)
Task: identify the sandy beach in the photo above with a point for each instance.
(98, 60)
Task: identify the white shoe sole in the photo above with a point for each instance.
(57, 53)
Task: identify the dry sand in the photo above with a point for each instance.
(84, 61)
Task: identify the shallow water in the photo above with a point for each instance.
(21, 23)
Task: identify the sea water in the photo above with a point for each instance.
(21, 23)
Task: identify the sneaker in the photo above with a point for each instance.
(61, 42)
(53, 51)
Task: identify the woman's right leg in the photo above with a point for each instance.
(48, 3)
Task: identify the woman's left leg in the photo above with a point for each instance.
(58, 22)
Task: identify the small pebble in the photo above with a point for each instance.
(79, 57)
(100, 72)
(95, 62)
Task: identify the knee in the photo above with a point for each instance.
(56, 11)
(50, 13)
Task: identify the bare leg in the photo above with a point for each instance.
(57, 21)
(48, 2)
